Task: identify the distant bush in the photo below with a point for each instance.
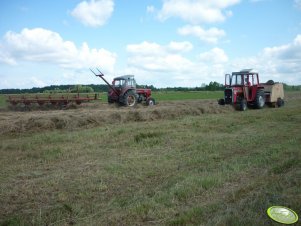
(291, 88)
(82, 89)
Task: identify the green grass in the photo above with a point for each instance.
(2, 101)
(223, 169)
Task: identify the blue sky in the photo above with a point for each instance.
(162, 42)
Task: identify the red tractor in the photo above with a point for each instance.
(242, 89)
(124, 92)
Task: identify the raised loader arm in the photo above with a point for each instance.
(101, 75)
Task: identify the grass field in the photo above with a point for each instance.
(177, 95)
(2, 101)
(208, 169)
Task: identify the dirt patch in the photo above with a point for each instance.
(100, 114)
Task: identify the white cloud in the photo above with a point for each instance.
(286, 58)
(41, 45)
(291, 51)
(5, 56)
(211, 35)
(154, 57)
(196, 11)
(160, 65)
(215, 55)
(94, 13)
(168, 65)
(280, 63)
(180, 46)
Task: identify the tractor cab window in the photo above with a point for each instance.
(227, 79)
(237, 80)
(247, 81)
(119, 83)
(131, 82)
(253, 79)
(250, 80)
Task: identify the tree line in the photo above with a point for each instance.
(212, 86)
(58, 89)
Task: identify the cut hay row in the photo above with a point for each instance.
(95, 115)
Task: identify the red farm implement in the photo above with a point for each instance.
(243, 90)
(124, 91)
(60, 100)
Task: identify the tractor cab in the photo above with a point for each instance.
(126, 81)
(244, 82)
(120, 86)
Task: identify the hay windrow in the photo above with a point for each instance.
(101, 115)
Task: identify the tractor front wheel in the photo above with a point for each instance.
(221, 102)
(260, 101)
(243, 105)
(150, 101)
(130, 99)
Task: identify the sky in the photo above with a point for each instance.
(165, 43)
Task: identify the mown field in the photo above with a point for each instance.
(202, 165)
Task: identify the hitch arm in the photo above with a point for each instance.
(101, 75)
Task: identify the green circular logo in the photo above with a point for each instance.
(282, 214)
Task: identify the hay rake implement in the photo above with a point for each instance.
(61, 100)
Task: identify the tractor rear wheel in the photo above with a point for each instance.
(259, 101)
(130, 99)
(280, 102)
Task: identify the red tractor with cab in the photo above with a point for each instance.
(242, 89)
(124, 92)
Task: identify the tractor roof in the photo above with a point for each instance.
(245, 71)
(124, 77)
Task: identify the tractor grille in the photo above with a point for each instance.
(228, 96)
